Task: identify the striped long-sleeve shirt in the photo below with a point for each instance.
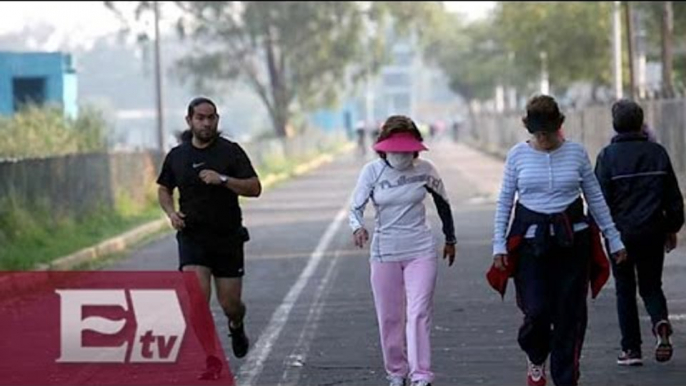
(548, 182)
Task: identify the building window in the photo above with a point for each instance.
(28, 91)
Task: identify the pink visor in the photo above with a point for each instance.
(400, 143)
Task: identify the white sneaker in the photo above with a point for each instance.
(535, 374)
(421, 383)
(396, 381)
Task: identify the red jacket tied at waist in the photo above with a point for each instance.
(599, 269)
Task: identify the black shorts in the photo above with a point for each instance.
(223, 259)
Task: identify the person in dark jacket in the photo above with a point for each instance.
(640, 187)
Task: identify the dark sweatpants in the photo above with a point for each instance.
(645, 260)
(551, 292)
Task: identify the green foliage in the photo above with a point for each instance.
(44, 131)
(287, 52)
(574, 35)
(506, 47)
(409, 17)
(295, 55)
(30, 235)
(652, 16)
(90, 131)
(472, 56)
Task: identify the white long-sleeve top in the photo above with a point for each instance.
(401, 231)
(548, 182)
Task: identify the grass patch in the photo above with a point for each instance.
(288, 166)
(36, 241)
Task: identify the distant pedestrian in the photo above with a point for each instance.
(643, 193)
(361, 133)
(403, 250)
(456, 130)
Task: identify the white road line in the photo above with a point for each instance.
(298, 356)
(672, 318)
(263, 347)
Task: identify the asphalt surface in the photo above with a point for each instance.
(310, 310)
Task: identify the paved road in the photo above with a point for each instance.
(309, 300)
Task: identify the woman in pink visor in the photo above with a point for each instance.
(403, 249)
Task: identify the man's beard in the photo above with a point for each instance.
(205, 135)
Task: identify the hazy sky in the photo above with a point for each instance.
(79, 23)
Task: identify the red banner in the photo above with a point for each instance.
(107, 328)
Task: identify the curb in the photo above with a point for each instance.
(306, 167)
(107, 247)
(124, 241)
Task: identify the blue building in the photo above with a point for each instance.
(43, 78)
(334, 119)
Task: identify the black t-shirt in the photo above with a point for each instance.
(212, 211)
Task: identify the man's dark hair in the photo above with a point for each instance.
(627, 116)
(543, 114)
(186, 135)
(197, 102)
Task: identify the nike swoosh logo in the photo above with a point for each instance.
(195, 166)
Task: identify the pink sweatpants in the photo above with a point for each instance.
(403, 295)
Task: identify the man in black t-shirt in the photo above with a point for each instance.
(210, 173)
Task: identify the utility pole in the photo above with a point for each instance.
(545, 82)
(369, 86)
(511, 91)
(617, 49)
(628, 19)
(640, 51)
(667, 54)
(158, 79)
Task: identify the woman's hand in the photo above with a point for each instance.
(360, 237)
(670, 242)
(449, 253)
(620, 256)
(500, 261)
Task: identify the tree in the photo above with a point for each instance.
(667, 49)
(574, 35)
(505, 49)
(291, 54)
(666, 40)
(472, 56)
(286, 51)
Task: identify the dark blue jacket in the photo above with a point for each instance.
(640, 187)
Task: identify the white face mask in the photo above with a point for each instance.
(400, 161)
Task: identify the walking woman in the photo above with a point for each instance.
(548, 174)
(403, 250)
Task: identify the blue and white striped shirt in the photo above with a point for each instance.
(548, 182)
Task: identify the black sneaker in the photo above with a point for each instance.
(663, 347)
(630, 358)
(239, 341)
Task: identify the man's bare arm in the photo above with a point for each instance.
(166, 200)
